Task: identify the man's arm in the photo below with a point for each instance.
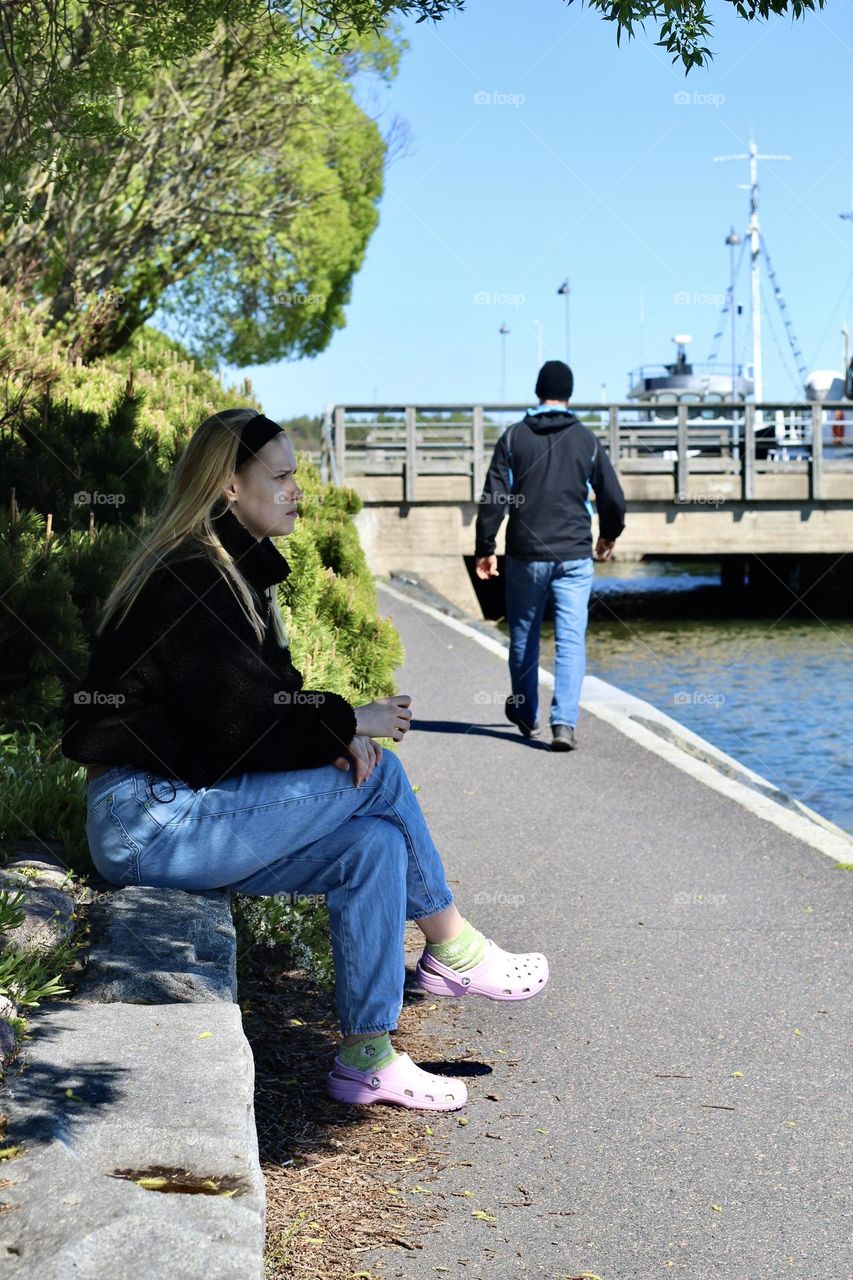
(609, 498)
(493, 501)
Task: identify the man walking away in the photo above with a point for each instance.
(543, 472)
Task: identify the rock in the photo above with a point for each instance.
(40, 872)
(48, 914)
(8, 1039)
(161, 946)
(116, 1089)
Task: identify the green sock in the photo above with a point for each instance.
(371, 1053)
(463, 951)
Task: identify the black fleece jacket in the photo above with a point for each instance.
(542, 472)
(184, 689)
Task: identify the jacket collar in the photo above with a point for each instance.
(259, 560)
(544, 417)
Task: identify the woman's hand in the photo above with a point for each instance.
(385, 718)
(365, 755)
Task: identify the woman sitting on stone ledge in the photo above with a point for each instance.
(211, 767)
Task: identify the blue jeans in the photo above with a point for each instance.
(527, 585)
(367, 849)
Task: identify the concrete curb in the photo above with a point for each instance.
(141, 1085)
(659, 733)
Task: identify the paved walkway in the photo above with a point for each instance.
(678, 1104)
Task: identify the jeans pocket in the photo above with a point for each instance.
(114, 850)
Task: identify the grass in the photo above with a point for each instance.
(29, 975)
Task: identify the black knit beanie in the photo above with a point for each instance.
(555, 381)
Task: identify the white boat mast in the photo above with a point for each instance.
(754, 232)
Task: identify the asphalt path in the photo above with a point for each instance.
(676, 1102)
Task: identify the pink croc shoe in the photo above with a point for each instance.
(402, 1082)
(501, 975)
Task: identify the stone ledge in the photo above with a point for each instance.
(101, 1228)
(160, 946)
(128, 1089)
(144, 1073)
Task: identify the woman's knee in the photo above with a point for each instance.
(387, 841)
(378, 859)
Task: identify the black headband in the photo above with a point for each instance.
(254, 435)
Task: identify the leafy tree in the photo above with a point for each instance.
(241, 204)
(683, 25)
(70, 71)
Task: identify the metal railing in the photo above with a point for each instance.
(727, 439)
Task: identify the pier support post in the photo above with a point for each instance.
(732, 573)
(747, 466)
(682, 470)
(816, 455)
(340, 443)
(477, 469)
(613, 445)
(410, 477)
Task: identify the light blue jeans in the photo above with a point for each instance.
(367, 849)
(528, 583)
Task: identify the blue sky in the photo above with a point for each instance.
(596, 163)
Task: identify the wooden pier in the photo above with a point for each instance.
(712, 480)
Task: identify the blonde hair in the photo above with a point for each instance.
(194, 497)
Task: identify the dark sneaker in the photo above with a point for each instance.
(564, 738)
(529, 730)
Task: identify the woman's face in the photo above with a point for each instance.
(264, 492)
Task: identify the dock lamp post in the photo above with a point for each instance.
(503, 331)
(565, 291)
(733, 239)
